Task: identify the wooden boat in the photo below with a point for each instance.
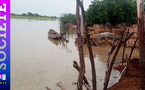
(53, 34)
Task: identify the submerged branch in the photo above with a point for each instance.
(60, 85)
(76, 66)
(48, 88)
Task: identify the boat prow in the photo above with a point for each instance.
(53, 34)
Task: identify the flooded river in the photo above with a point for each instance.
(38, 61)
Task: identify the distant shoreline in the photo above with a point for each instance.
(33, 17)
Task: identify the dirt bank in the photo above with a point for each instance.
(131, 80)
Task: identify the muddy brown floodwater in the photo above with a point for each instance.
(38, 61)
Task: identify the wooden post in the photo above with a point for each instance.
(81, 54)
(89, 46)
(123, 54)
(108, 73)
(76, 66)
(82, 26)
(140, 14)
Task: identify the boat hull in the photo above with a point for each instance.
(53, 34)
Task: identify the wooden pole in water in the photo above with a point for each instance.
(89, 46)
(76, 66)
(82, 25)
(81, 54)
(140, 14)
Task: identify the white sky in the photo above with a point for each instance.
(46, 7)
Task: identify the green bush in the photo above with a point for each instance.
(111, 11)
(67, 18)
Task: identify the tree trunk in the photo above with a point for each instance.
(140, 8)
(81, 54)
(89, 47)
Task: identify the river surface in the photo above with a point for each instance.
(38, 61)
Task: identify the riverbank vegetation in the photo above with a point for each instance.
(112, 11)
(30, 15)
(66, 18)
(106, 11)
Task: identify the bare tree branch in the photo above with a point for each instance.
(128, 37)
(60, 85)
(108, 72)
(109, 54)
(76, 66)
(48, 88)
(123, 54)
(87, 87)
(131, 54)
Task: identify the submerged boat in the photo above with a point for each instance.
(53, 34)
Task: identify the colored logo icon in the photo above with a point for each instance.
(2, 76)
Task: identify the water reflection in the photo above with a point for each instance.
(86, 52)
(102, 52)
(60, 43)
(55, 42)
(100, 56)
(45, 62)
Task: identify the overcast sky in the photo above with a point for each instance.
(46, 7)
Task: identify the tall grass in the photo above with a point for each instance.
(33, 17)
